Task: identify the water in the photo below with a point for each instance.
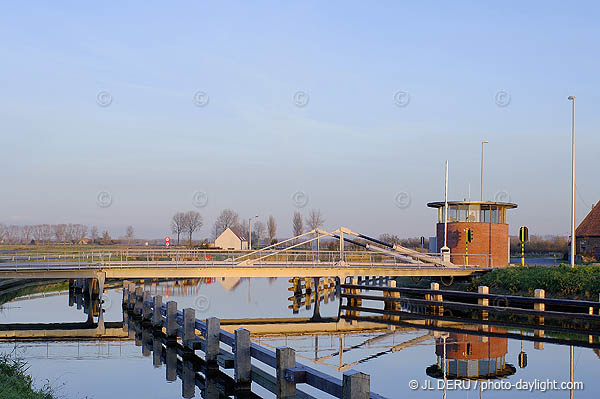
(116, 368)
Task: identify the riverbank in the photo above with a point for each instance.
(580, 282)
(15, 383)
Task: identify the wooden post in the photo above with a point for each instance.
(157, 319)
(539, 293)
(131, 303)
(242, 362)
(146, 308)
(356, 385)
(285, 359)
(139, 292)
(156, 351)
(213, 330)
(172, 320)
(125, 295)
(189, 328)
(439, 310)
(171, 359)
(188, 381)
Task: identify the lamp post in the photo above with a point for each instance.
(250, 232)
(572, 99)
(482, 143)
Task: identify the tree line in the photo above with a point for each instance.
(63, 233)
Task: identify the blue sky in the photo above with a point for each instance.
(351, 149)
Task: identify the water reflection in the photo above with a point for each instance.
(392, 349)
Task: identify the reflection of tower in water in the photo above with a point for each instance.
(471, 357)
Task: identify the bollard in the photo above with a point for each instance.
(156, 351)
(172, 321)
(137, 309)
(213, 330)
(242, 362)
(189, 328)
(285, 359)
(131, 298)
(146, 307)
(188, 381)
(171, 361)
(157, 319)
(356, 385)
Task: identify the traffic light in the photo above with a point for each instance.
(523, 234)
(522, 359)
(469, 235)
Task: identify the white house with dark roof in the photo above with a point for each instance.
(231, 239)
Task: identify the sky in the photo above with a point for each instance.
(123, 114)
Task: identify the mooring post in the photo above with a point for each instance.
(156, 351)
(172, 321)
(396, 304)
(146, 308)
(213, 330)
(146, 340)
(437, 298)
(541, 307)
(125, 294)
(188, 382)
(131, 298)
(242, 360)
(139, 293)
(189, 328)
(171, 358)
(356, 385)
(157, 319)
(285, 359)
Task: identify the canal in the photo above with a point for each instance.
(393, 356)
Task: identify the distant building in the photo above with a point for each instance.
(587, 234)
(231, 239)
(487, 220)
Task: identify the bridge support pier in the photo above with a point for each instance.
(286, 359)
(356, 385)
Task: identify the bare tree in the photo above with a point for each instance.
(26, 234)
(315, 219)
(3, 230)
(47, 233)
(129, 234)
(78, 232)
(12, 234)
(192, 221)
(259, 229)
(391, 239)
(272, 229)
(94, 233)
(227, 218)
(178, 224)
(59, 232)
(297, 225)
(106, 239)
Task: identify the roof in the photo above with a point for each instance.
(236, 232)
(440, 204)
(590, 226)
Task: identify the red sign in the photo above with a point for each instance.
(167, 244)
(167, 239)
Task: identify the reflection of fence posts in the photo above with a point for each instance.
(149, 316)
(540, 307)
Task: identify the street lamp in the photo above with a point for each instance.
(250, 232)
(572, 99)
(482, 143)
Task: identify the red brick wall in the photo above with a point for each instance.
(488, 239)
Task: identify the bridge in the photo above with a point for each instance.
(291, 257)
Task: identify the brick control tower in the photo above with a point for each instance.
(490, 245)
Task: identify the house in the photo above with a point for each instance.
(231, 239)
(587, 234)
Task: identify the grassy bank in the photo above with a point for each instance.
(15, 383)
(580, 282)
